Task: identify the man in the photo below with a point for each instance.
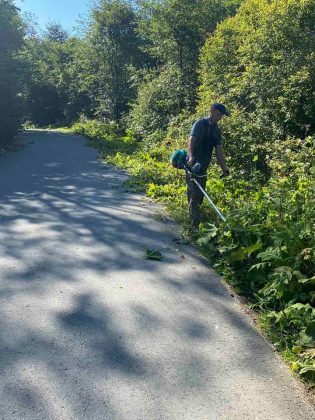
(205, 135)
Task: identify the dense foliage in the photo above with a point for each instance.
(11, 72)
(262, 63)
(175, 30)
(116, 53)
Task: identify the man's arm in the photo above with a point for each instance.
(221, 159)
(191, 150)
(196, 135)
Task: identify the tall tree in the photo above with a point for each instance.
(115, 49)
(11, 69)
(262, 61)
(58, 74)
(174, 32)
(56, 33)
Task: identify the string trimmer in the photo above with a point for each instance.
(179, 160)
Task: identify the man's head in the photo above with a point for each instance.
(217, 111)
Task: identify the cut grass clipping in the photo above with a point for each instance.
(153, 255)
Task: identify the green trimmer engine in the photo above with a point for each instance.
(178, 159)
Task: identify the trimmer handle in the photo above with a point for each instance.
(196, 168)
(193, 170)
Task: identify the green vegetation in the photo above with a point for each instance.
(261, 63)
(11, 88)
(153, 255)
(135, 81)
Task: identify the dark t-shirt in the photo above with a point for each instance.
(208, 136)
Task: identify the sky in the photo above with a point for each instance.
(65, 12)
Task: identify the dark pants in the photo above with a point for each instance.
(195, 198)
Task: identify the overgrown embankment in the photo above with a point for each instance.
(267, 249)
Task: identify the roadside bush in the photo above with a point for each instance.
(159, 100)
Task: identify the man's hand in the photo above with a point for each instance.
(221, 161)
(191, 162)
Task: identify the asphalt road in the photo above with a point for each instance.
(91, 330)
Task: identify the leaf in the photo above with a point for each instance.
(260, 266)
(238, 255)
(253, 248)
(299, 275)
(243, 253)
(295, 366)
(270, 255)
(308, 371)
(306, 280)
(212, 231)
(306, 340)
(285, 272)
(153, 255)
(300, 306)
(296, 349)
(310, 330)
